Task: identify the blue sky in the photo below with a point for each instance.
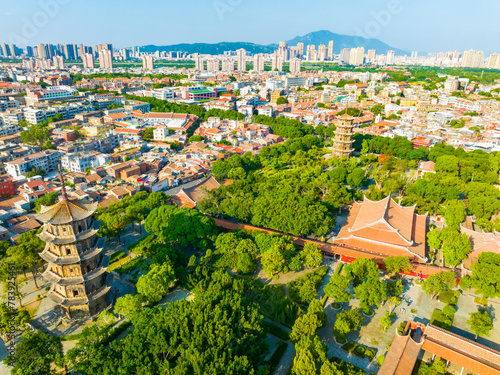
(423, 25)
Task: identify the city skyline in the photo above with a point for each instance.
(398, 23)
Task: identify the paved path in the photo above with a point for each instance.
(286, 361)
(364, 364)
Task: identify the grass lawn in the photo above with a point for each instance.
(135, 246)
(130, 265)
(439, 319)
(119, 263)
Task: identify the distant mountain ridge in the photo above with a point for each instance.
(344, 41)
(318, 37)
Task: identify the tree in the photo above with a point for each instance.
(386, 320)
(304, 363)
(4, 246)
(396, 264)
(454, 214)
(347, 321)
(128, 305)
(47, 200)
(273, 261)
(155, 284)
(148, 134)
(182, 226)
(195, 138)
(338, 288)
(88, 170)
(246, 264)
(436, 367)
(281, 100)
(362, 269)
(439, 282)
(356, 178)
(26, 253)
(36, 353)
(456, 246)
(311, 255)
(330, 368)
(434, 239)
(11, 321)
(372, 292)
(305, 325)
(480, 323)
(316, 307)
(486, 275)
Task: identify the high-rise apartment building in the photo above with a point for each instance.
(105, 59)
(276, 63)
(258, 62)
(228, 66)
(58, 62)
(241, 58)
(329, 55)
(147, 62)
(357, 56)
(321, 52)
(295, 66)
(69, 51)
(300, 48)
(371, 55)
(199, 64)
(472, 59)
(345, 54)
(88, 61)
(213, 65)
(391, 56)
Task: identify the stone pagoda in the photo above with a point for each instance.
(342, 143)
(77, 265)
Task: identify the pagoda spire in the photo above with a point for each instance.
(63, 187)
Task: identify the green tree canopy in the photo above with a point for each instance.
(155, 284)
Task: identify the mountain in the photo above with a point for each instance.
(343, 41)
(316, 38)
(212, 49)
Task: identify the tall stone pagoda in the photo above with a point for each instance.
(77, 265)
(342, 143)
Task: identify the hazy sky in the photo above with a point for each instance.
(423, 25)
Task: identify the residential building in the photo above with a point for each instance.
(47, 160)
(147, 62)
(77, 162)
(241, 59)
(391, 55)
(106, 59)
(88, 61)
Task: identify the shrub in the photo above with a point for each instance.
(449, 310)
(413, 311)
(303, 289)
(380, 359)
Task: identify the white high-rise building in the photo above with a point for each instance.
(492, 61)
(371, 55)
(258, 62)
(321, 52)
(58, 62)
(330, 50)
(147, 62)
(199, 63)
(345, 54)
(391, 56)
(241, 58)
(357, 56)
(295, 66)
(228, 66)
(88, 61)
(213, 65)
(106, 59)
(276, 63)
(472, 59)
(300, 49)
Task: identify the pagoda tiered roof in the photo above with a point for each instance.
(66, 211)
